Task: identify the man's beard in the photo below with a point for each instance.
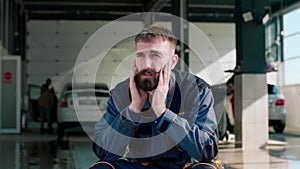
(146, 84)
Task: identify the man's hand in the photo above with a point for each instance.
(138, 96)
(160, 94)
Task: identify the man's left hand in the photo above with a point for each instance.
(160, 94)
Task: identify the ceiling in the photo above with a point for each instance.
(198, 10)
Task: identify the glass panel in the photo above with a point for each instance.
(35, 92)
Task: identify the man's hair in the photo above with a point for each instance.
(48, 80)
(154, 32)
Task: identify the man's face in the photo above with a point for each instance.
(151, 57)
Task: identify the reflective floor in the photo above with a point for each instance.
(31, 150)
(282, 152)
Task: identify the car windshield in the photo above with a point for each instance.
(272, 89)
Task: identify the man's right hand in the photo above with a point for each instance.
(138, 96)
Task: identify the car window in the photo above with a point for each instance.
(272, 89)
(70, 94)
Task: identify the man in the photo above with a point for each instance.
(159, 118)
(45, 103)
(46, 85)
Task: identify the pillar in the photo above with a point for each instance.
(251, 99)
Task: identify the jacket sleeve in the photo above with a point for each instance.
(196, 131)
(113, 132)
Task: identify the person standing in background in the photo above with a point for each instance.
(45, 103)
(53, 114)
(46, 85)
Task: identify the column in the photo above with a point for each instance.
(251, 101)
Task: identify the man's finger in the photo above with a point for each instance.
(167, 74)
(132, 74)
(161, 78)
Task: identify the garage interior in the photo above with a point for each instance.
(257, 27)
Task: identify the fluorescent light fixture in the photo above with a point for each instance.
(247, 16)
(265, 19)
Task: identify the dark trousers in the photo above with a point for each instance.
(123, 164)
(45, 117)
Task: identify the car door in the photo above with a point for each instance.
(34, 92)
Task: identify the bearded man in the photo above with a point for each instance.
(159, 118)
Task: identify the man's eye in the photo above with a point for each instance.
(139, 55)
(155, 55)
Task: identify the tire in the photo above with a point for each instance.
(279, 127)
(24, 122)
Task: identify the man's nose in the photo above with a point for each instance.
(147, 62)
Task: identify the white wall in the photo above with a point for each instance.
(216, 50)
(54, 46)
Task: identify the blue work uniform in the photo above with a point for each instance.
(185, 133)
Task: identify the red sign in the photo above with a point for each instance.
(7, 75)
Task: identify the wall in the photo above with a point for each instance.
(54, 46)
(216, 50)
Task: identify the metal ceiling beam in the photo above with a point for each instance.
(87, 8)
(206, 15)
(281, 9)
(212, 2)
(83, 3)
(104, 15)
(204, 10)
(155, 5)
(78, 15)
(225, 18)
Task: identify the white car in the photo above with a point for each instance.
(277, 110)
(81, 104)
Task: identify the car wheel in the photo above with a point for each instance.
(279, 127)
(24, 122)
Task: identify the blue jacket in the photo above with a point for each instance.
(186, 132)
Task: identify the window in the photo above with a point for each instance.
(291, 47)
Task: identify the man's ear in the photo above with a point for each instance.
(174, 61)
